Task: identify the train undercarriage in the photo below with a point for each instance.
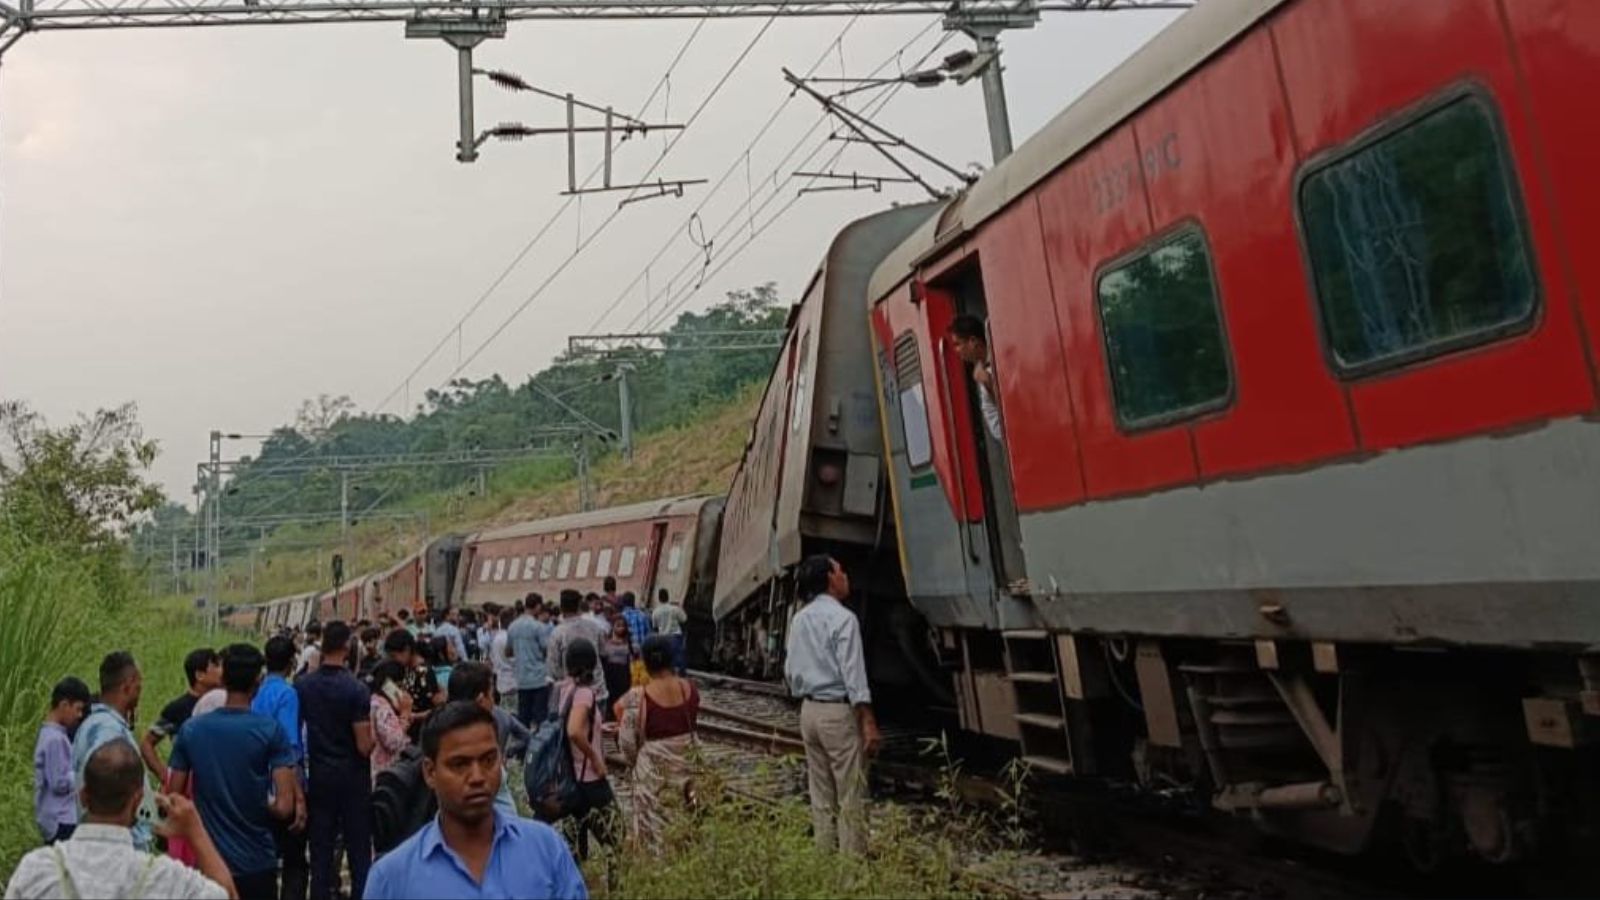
(901, 660)
(1437, 755)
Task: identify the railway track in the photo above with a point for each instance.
(1135, 853)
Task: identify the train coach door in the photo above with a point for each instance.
(965, 290)
(647, 591)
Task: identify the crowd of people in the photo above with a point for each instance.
(370, 759)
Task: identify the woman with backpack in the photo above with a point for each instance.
(658, 739)
(577, 694)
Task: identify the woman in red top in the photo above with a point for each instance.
(658, 736)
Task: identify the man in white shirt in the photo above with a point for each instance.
(99, 860)
(505, 671)
(311, 654)
(972, 345)
(825, 666)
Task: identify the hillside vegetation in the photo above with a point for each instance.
(281, 525)
(696, 457)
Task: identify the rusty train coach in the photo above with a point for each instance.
(647, 547)
(1296, 499)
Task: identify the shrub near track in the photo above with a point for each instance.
(55, 620)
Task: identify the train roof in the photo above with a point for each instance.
(650, 509)
(1173, 53)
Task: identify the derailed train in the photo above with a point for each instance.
(1296, 500)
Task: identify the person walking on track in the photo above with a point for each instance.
(824, 665)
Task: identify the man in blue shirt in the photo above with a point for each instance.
(470, 850)
(53, 787)
(337, 711)
(638, 621)
(445, 626)
(121, 684)
(236, 758)
(526, 641)
(276, 699)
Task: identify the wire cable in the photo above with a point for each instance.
(516, 260)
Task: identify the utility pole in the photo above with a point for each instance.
(984, 25)
(626, 406)
(177, 590)
(585, 489)
(344, 513)
(214, 532)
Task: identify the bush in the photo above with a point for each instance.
(60, 612)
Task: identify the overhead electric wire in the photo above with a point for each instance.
(544, 229)
(604, 224)
(732, 167)
(740, 211)
(661, 314)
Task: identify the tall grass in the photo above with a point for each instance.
(60, 613)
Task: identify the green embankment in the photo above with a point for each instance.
(693, 458)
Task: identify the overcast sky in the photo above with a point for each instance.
(218, 223)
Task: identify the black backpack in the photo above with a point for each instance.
(401, 802)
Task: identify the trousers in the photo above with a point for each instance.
(292, 855)
(836, 776)
(339, 804)
(533, 705)
(257, 885)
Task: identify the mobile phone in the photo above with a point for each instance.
(151, 812)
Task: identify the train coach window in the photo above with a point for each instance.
(564, 567)
(485, 570)
(913, 401)
(500, 569)
(547, 566)
(602, 563)
(625, 561)
(1163, 334)
(583, 565)
(675, 554)
(530, 567)
(1416, 241)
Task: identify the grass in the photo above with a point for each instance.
(56, 621)
(736, 845)
(738, 848)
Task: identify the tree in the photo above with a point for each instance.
(318, 416)
(81, 485)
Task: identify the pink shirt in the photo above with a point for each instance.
(583, 704)
(388, 736)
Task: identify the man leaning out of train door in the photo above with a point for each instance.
(825, 667)
(972, 345)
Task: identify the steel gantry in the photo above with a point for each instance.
(464, 25)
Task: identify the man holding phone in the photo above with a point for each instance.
(100, 860)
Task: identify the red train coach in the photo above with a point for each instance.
(1296, 498)
(420, 582)
(644, 546)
